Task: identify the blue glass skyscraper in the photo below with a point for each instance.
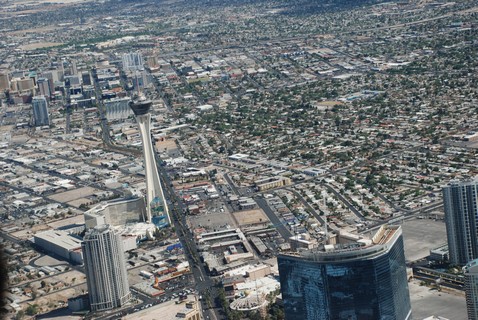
(358, 281)
(40, 111)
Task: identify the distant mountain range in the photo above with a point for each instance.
(313, 7)
(286, 6)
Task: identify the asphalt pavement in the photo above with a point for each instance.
(283, 231)
(232, 185)
(205, 286)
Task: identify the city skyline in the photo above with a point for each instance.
(268, 137)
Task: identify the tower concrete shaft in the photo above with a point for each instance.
(156, 206)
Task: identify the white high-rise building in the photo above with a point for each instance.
(40, 111)
(105, 266)
(157, 208)
(460, 200)
(117, 108)
(140, 79)
(470, 272)
(133, 61)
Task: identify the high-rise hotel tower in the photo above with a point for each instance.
(460, 200)
(105, 266)
(362, 280)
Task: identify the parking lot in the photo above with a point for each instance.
(213, 220)
(422, 235)
(172, 289)
(427, 302)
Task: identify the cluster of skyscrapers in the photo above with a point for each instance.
(343, 279)
(132, 61)
(102, 246)
(133, 66)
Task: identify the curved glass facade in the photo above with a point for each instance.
(363, 289)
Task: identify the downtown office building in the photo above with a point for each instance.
(461, 216)
(40, 111)
(356, 281)
(105, 267)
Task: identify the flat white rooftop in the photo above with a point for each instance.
(60, 238)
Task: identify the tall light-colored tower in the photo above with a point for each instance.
(105, 266)
(156, 206)
(44, 87)
(117, 108)
(132, 61)
(460, 200)
(470, 272)
(4, 80)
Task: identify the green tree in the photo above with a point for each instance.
(254, 316)
(20, 314)
(32, 309)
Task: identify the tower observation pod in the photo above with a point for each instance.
(156, 206)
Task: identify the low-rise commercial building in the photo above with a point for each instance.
(61, 244)
(270, 183)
